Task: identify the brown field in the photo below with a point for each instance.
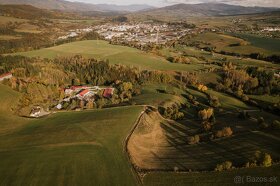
(5, 20)
(159, 144)
(9, 37)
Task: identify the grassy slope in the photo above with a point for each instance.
(115, 54)
(71, 148)
(222, 42)
(8, 121)
(82, 148)
(5, 20)
(266, 98)
(151, 96)
(272, 44)
(229, 102)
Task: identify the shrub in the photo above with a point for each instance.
(206, 126)
(262, 123)
(276, 125)
(225, 132)
(224, 166)
(267, 160)
(262, 159)
(206, 114)
(214, 101)
(193, 139)
(202, 88)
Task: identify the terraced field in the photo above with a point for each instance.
(159, 144)
(115, 54)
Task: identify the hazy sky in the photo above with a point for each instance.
(270, 3)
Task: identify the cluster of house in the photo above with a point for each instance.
(75, 33)
(142, 33)
(85, 93)
(6, 76)
(270, 29)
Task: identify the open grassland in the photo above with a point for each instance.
(198, 56)
(272, 44)
(70, 148)
(152, 95)
(115, 54)
(266, 98)
(8, 99)
(229, 102)
(211, 178)
(250, 44)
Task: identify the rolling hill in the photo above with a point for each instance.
(53, 4)
(28, 12)
(77, 6)
(182, 11)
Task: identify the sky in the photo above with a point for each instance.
(160, 3)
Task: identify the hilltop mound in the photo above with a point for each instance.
(160, 144)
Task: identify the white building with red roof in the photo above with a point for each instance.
(6, 76)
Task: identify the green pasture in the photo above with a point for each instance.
(67, 148)
(102, 50)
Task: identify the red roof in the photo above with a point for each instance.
(108, 92)
(83, 92)
(6, 74)
(78, 87)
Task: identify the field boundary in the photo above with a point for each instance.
(126, 152)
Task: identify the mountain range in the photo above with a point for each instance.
(206, 9)
(78, 6)
(178, 10)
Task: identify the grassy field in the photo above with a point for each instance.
(228, 102)
(195, 55)
(151, 95)
(266, 98)
(115, 54)
(8, 99)
(5, 20)
(212, 178)
(272, 44)
(71, 148)
(230, 43)
(87, 145)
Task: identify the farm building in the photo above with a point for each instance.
(6, 76)
(108, 92)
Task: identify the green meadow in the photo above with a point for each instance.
(272, 44)
(68, 148)
(102, 50)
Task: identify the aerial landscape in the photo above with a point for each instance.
(151, 92)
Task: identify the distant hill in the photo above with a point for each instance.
(127, 8)
(28, 12)
(54, 4)
(77, 6)
(203, 9)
